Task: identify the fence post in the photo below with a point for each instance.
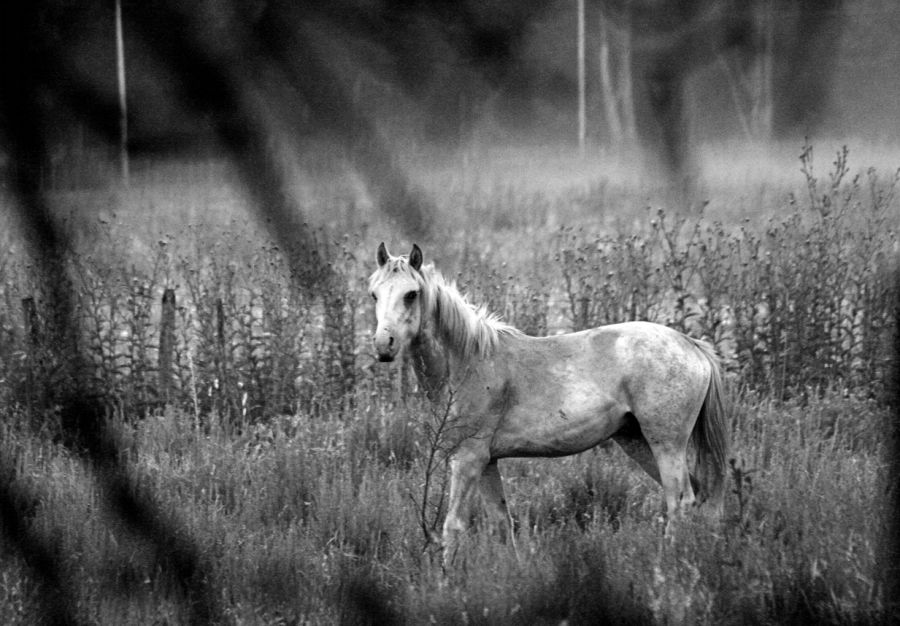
(31, 321)
(220, 327)
(584, 301)
(166, 344)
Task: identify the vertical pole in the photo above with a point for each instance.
(29, 313)
(123, 106)
(582, 114)
(166, 344)
(220, 328)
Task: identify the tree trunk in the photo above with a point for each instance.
(626, 88)
(614, 61)
(609, 95)
(749, 76)
(123, 106)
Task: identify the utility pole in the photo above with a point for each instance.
(123, 106)
(582, 114)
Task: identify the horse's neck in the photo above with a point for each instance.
(431, 363)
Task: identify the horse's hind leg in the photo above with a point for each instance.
(636, 447)
(674, 476)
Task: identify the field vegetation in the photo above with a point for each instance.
(308, 480)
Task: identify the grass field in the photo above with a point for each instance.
(289, 464)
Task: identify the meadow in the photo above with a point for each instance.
(308, 480)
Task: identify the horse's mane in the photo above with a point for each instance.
(467, 329)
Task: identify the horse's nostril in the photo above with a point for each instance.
(390, 342)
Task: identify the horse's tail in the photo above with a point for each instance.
(710, 435)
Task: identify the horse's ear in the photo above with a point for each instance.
(382, 255)
(415, 258)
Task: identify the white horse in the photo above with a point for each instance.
(650, 388)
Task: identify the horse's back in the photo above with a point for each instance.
(621, 343)
(643, 366)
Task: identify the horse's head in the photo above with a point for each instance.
(396, 286)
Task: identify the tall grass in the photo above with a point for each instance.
(287, 514)
(300, 470)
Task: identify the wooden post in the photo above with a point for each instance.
(166, 344)
(220, 327)
(585, 301)
(29, 311)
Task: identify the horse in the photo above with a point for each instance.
(650, 388)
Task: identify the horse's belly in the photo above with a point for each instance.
(559, 431)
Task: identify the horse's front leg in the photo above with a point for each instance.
(495, 499)
(495, 503)
(466, 467)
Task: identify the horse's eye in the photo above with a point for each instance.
(374, 297)
(410, 296)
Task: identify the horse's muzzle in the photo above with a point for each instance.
(385, 346)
